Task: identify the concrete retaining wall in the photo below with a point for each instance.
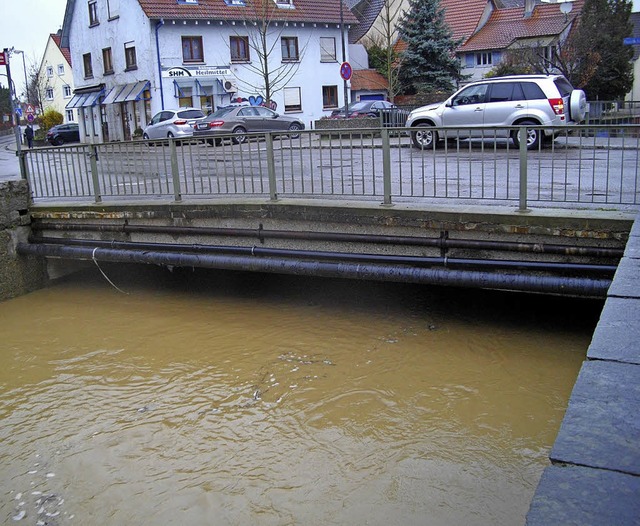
(18, 274)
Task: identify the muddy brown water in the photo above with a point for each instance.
(199, 398)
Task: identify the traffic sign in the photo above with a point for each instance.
(631, 41)
(3, 58)
(346, 71)
(30, 109)
(31, 117)
(19, 112)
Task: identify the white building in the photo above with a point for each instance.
(137, 57)
(56, 78)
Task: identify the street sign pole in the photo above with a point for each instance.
(344, 59)
(12, 95)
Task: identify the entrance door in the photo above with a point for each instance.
(104, 123)
(125, 121)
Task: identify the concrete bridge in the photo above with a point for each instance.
(402, 216)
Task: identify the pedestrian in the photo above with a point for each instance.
(28, 134)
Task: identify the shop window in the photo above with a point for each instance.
(93, 13)
(289, 47)
(130, 56)
(88, 67)
(329, 96)
(107, 61)
(239, 49)
(327, 49)
(292, 99)
(192, 49)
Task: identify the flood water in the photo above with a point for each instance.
(198, 398)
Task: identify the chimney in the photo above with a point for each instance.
(529, 5)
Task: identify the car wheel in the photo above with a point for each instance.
(239, 135)
(294, 127)
(533, 136)
(58, 141)
(145, 136)
(169, 135)
(424, 138)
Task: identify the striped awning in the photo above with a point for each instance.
(127, 92)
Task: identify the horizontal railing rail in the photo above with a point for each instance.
(586, 166)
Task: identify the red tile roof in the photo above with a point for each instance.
(368, 79)
(508, 25)
(66, 52)
(305, 10)
(463, 16)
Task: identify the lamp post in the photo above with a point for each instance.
(24, 67)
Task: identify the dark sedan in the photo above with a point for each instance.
(63, 133)
(240, 120)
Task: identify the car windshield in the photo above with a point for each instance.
(359, 106)
(221, 112)
(190, 114)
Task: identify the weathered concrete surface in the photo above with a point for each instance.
(18, 274)
(583, 496)
(594, 478)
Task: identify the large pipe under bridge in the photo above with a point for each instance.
(558, 278)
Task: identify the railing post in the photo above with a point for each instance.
(24, 168)
(271, 167)
(175, 170)
(386, 166)
(93, 157)
(523, 169)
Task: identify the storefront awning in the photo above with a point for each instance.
(127, 92)
(85, 100)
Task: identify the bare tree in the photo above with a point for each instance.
(37, 87)
(267, 23)
(381, 43)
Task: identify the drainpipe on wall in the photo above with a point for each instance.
(158, 26)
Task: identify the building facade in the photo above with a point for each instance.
(56, 78)
(137, 57)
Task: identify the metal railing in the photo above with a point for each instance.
(585, 166)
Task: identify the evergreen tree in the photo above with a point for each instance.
(429, 63)
(601, 30)
(5, 101)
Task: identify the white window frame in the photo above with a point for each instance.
(66, 91)
(60, 69)
(327, 54)
(292, 99)
(49, 93)
(484, 58)
(49, 71)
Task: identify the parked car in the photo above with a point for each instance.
(548, 100)
(365, 108)
(62, 133)
(240, 120)
(172, 123)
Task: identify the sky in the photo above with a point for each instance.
(27, 24)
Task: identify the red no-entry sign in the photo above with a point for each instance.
(346, 71)
(3, 58)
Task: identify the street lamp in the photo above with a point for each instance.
(24, 67)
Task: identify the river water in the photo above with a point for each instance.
(198, 398)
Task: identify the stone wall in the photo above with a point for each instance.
(18, 274)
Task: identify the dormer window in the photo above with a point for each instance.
(192, 2)
(284, 4)
(236, 3)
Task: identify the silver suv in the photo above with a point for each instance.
(547, 100)
(173, 123)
